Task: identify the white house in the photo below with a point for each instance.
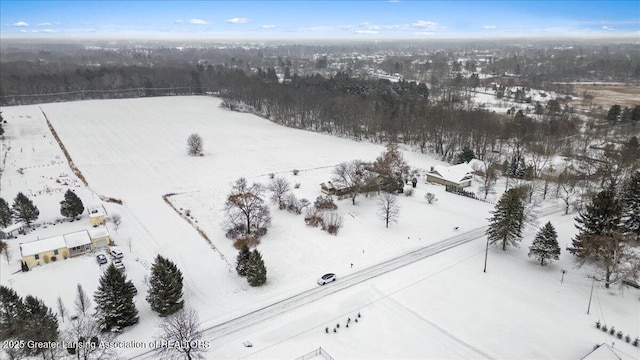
(12, 231)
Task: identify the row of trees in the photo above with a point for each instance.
(607, 227)
(24, 210)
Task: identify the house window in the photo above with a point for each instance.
(36, 256)
(55, 252)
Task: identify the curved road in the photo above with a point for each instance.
(317, 293)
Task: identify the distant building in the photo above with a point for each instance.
(63, 246)
(457, 175)
(12, 231)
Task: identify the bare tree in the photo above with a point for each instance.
(279, 187)
(430, 197)
(388, 208)
(61, 308)
(181, 336)
(85, 333)
(4, 249)
(245, 209)
(195, 145)
(566, 189)
(351, 176)
(116, 219)
(82, 302)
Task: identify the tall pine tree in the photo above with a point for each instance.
(39, 324)
(11, 311)
(242, 260)
(600, 218)
(630, 197)
(545, 245)
(115, 300)
(71, 206)
(505, 226)
(6, 215)
(256, 271)
(165, 287)
(24, 210)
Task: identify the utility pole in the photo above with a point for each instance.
(486, 253)
(590, 295)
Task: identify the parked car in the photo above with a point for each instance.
(101, 259)
(327, 278)
(116, 254)
(118, 264)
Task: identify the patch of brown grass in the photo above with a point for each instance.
(250, 241)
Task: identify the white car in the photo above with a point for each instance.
(327, 278)
(118, 264)
(116, 254)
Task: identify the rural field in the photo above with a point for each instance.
(443, 306)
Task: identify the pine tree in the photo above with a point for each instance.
(600, 218)
(464, 156)
(24, 210)
(71, 206)
(545, 245)
(506, 224)
(114, 299)
(630, 197)
(256, 271)
(6, 215)
(11, 311)
(243, 260)
(39, 324)
(165, 287)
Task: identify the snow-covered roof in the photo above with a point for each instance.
(455, 173)
(96, 213)
(98, 232)
(77, 239)
(40, 246)
(13, 227)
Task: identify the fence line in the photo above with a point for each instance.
(319, 351)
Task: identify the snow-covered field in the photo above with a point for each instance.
(441, 307)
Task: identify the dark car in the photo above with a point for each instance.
(101, 259)
(327, 278)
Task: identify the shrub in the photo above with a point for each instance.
(46, 259)
(431, 198)
(619, 334)
(296, 186)
(236, 231)
(325, 203)
(332, 223)
(598, 325)
(612, 330)
(408, 192)
(604, 328)
(272, 175)
(627, 338)
(250, 241)
(295, 171)
(313, 217)
(635, 342)
(53, 258)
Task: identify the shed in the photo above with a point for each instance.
(35, 252)
(96, 217)
(12, 231)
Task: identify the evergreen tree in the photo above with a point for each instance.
(1, 128)
(243, 260)
(115, 300)
(165, 287)
(614, 113)
(630, 197)
(391, 168)
(465, 155)
(600, 218)
(39, 324)
(11, 312)
(24, 210)
(507, 221)
(71, 206)
(256, 271)
(545, 245)
(6, 215)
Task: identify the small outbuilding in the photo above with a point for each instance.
(12, 231)
(97, 217)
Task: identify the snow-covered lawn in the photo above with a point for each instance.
(135, 150)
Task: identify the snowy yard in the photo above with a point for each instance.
(440, 307)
